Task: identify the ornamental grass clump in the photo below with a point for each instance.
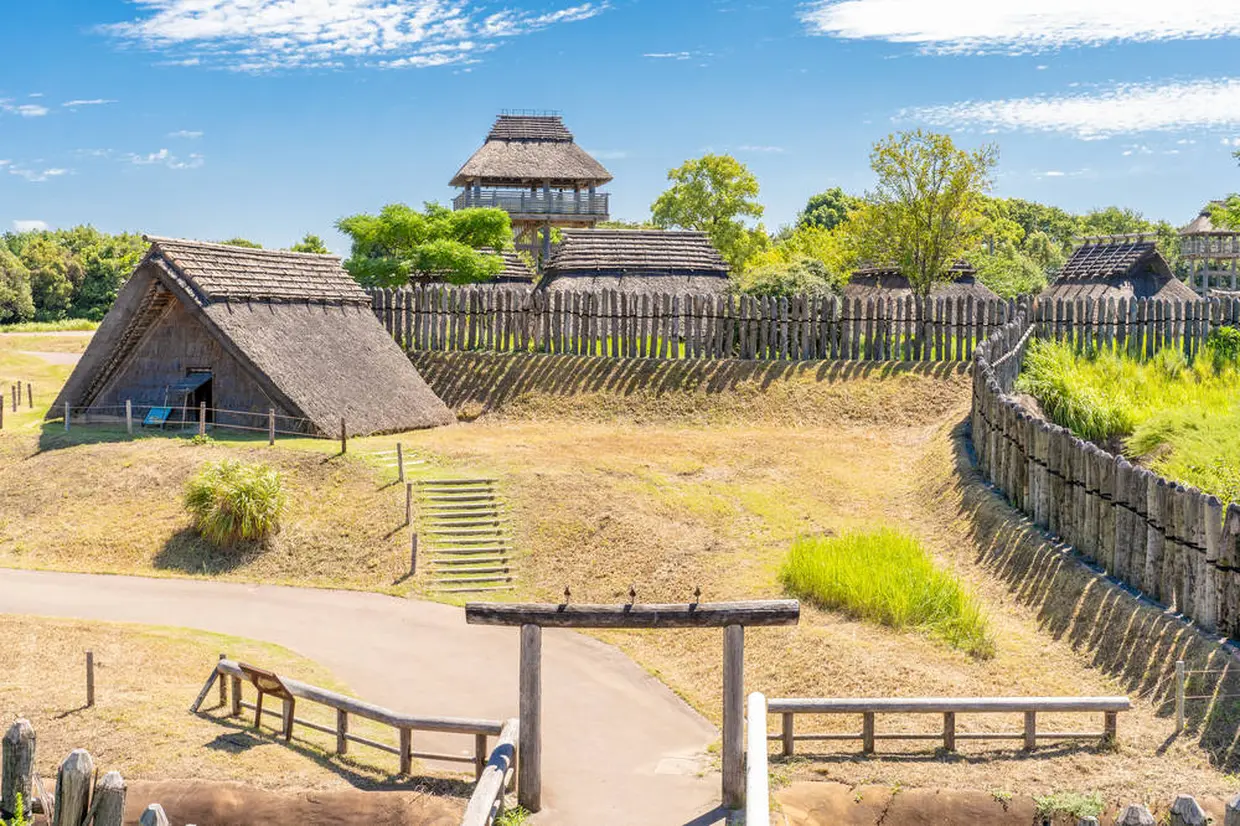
(233, 502)
(887, 577)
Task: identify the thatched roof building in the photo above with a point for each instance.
(636, 261)
(881, 283)
(249, 330)
(1118, 267)
(515, 274)
(531, 150)
(1212, 253)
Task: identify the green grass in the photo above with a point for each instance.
(1070, 804)
(1181, 419)
(887, 577)
(234, 502)
(62, 326)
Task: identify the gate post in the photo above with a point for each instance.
(733, 716)
(529, 747)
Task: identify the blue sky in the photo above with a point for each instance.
(272, 118)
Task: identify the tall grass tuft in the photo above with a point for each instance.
(888, 578)
(233, 502)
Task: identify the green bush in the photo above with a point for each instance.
(1224, 347)
(888, 578)
(233, 502)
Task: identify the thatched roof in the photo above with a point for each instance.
(649, 261)
(516, 273)
(301, 328)
(1204, 225)
(1118, 268)
(883, 282)
(523, 150)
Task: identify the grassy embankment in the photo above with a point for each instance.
(66, 325)
(663, 477)
(1181, 420)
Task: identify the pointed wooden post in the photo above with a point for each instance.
(153, 816)
(90, 679)
(109, 801)
(73, 781)
(17, 766)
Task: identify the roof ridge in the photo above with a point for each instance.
(163, 239)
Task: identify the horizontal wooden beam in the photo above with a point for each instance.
(675, 615)
(937, 705)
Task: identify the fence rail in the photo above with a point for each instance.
(1172, 542)
(487, 802)
(949, 707)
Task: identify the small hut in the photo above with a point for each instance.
(881, 283)
(244, 331)
(516, 273)
(531, 167)
(1118, 266)
(1212, 253)
(636, 261)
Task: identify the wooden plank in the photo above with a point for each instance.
(676, 615)
(489, 790)
(941, 705)
(529, 762)
(733, 746)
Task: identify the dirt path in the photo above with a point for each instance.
(54, 358)
(618, 746)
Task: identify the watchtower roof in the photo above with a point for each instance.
(524, 150)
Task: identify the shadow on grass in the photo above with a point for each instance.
(1122, 632)
(186, 551)
(980, 756)
(494, 379)
(53, 435)
(239, 735)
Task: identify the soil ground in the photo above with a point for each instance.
(668, 478)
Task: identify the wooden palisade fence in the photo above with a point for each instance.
(1172, 542)
(673, 327)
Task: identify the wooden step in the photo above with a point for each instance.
(447, 574)
(472, 580)
(480, 549)
(455, 482)
(455, 500)
(495, 531)
(472, 590)
(469, 560)
(469, 540)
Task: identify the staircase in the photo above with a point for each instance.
(463, 527)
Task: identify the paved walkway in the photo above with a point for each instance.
(618, 746)
(54, 358)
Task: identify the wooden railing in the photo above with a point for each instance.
(525, 202)
(869, 709)
(345, 706)
(487, 802)
(757, 780)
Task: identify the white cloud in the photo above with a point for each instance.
(30, 226)
(608, 154)
(35, 95)
(73, 104)
(668, 55)
(1231, 141)
(1020, 26)
(1052, 173)
(37, 176)
(1124, 109)
(265, 35)
(165, 158)
(185, 133)
(26, 110)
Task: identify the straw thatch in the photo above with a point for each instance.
(1204, 225)
(888, 282)
(1118, 268)
(283, 330)
(524, 150)
(636, 261)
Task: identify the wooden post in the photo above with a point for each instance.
(202, 418)
(153, 816)
(73, 781)
(129, 416)
(1110, 728)
(400, 462)
(223, 687)
(406, 752)
(17, 766)
(30, 395)
(408, 503)
(342, 731)
(480, 755)
(66, 417)
(949, 731)
(90, 679)
(786, 732)
(271, 426)
(1179, 696)
(344, 438)
(109, 801)
(867, 732)
(529, 747)
(1031, 730)
(1, 416)
(413, 555)
(290, 709)
(733, 716)
(1231, 815)
(1186, 811)
(1135, 815)
(235, 695)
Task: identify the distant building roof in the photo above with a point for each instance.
(1203, 225)
(884, 285)
(1118, 267)
(637, 261)
(515, 272)
(523, 150)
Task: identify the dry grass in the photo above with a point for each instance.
(145, 679)
(612, 483)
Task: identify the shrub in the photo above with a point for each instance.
(234, 502)
(1224, 347)
(888, 578)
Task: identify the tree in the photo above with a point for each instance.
(310, 243)
(242, 242)
(54, 275)
(1114, 220)
(925, 212)
(799, 276)
(1227, 214)
(1010, 273)
(827, 210)
(714, 194)
(16, 303)
(401, 242)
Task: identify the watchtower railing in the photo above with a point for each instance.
(535, 202)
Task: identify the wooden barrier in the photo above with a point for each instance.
(1174, 543)
(487, 801)
(949, 707)
(757, 779)
(345, 706)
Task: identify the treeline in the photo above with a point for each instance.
(49, 275)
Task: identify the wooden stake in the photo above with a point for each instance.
(529, 756)
(400, 461)
(66, 417)
(1179, 696)
(73, 782)
(153, 816)
(108, 806)
(271, 426)
(202, 418)
(408, 503)
(30, 395)
(223, 686)
(17, 766)
(129, 416)
(413, 555)
(733, 716)
(90, 679)
(344, 437)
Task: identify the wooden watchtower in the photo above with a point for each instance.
(1213, 255)
(531, 168)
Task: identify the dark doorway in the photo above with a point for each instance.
(202, 393)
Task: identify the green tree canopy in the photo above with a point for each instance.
(310, 243)
(401, 242)
(16, 302)
(242, 242)
(827, 210)
(1227, 214)
(926, 210)
(715, 194)
(798, 276)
